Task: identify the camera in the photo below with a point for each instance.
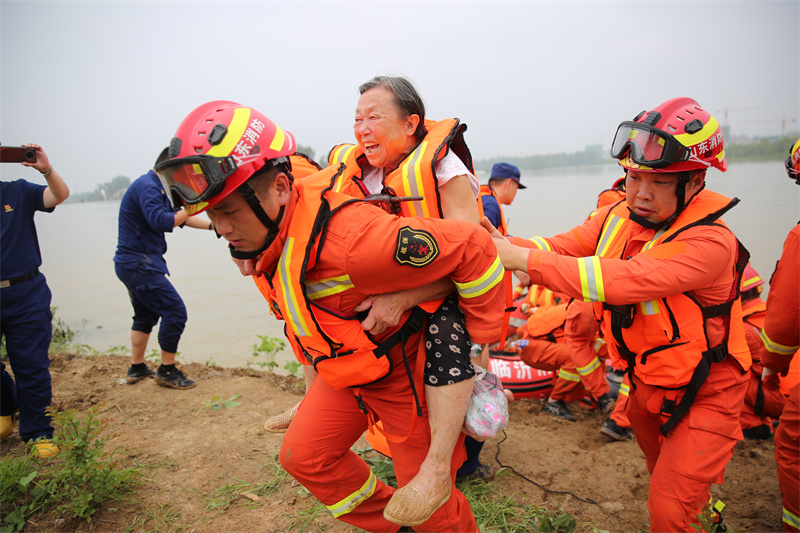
(17, 154)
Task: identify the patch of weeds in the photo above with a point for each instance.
(77, 482)
(251, 493)
(16, 501)
(119, 349)
(89, 475)
(305, 517)
(293, 367)
(265, 353)
(382, 466)
(497, 512)
(216, 402)
(211, 362)
(156, 520)
(62, 335)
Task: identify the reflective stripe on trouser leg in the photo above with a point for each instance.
(350, 502)
(316, 451)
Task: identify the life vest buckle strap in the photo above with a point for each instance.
(667, 407)
(716, 354)
(360, 402)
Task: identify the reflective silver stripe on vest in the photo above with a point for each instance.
(609, 232)
(327, 287)
(650, 308)
(292, 312)
(417, 208)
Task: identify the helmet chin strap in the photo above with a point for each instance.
(272, 225)
(680, 191)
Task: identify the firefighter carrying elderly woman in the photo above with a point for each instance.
(321, 253)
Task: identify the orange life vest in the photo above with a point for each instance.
(323, 337)
(488, 191)
(665, 340)
(508, 279)
(547, 323)
(754, 312)
(416, 173)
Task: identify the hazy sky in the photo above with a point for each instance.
(102, 86)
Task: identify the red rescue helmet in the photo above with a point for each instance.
(216, 149)
(750, 279)
(793, 162)
(676, 136)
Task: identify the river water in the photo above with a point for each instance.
(227, 313)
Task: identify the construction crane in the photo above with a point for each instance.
(782, 120)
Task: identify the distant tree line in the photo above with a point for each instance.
(110, 190)
(591, 155)
(768, 149)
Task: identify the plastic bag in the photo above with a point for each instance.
(487, 413)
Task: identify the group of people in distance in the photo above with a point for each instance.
(392, 262)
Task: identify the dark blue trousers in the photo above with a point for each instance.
(26, 324)
(154, 297)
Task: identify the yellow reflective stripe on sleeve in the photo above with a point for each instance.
(292, 315)
(412, 176)
(588, 369)
(624, 390)
(609, 232)
(650, 308)
(591, 279)
(354, 500)
(774, 347)
(598, 343)
(241, 117)
(791, 519)
(327, 287)
(490, 278)
(569, 376)
(541, 243)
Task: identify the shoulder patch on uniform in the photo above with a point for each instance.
(415, 247)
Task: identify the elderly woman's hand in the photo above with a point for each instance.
(385, 311)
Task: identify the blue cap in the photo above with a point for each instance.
(506, 170)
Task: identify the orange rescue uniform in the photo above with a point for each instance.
(761, 404)
(668, 275)
(781, 337)
(363, 252)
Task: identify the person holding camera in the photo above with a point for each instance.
(25, 316)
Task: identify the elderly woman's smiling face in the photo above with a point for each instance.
(384, 135)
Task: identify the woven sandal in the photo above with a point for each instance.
(407, 507)
(280, 423)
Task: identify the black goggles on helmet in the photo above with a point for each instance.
(195, 179)
(790, 170)
(647, 146)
